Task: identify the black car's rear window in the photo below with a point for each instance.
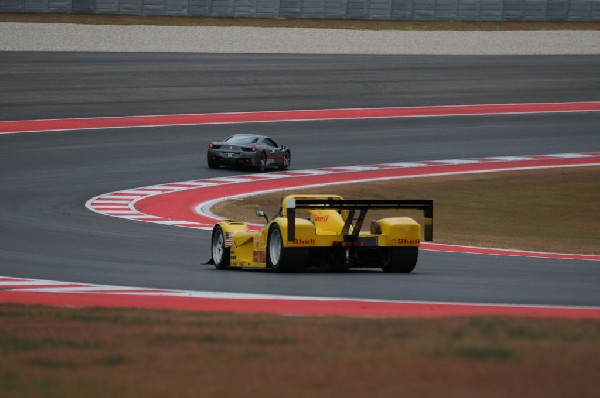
(241, 140)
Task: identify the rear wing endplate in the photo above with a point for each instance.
(425, 205)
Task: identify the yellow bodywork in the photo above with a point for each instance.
(321, 228)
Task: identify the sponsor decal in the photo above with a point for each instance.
(316, 218)
(259, 256)
(303, 242)
(406, 241)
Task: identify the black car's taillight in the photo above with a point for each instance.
(213, 146)
(249, 149)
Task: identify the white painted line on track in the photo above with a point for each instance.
(50, 286)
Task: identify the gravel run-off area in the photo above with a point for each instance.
(191, 39)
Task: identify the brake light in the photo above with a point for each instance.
(211, 145)
(253, 148)
(349, 244)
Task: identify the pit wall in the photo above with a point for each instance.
(408, 10)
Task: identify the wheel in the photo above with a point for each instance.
(213, 164)
(287, 160)
(281, 259)
(262, 163)
(400, 259)
(275, 246)
(220, 253)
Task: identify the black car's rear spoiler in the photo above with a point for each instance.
(426, 205)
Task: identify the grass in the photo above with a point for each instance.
(104, 352)
(297, 23)
(552, 210)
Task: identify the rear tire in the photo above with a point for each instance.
(213, 164)
(281, 259)
(262, 163)
(400, 260)
(219, 252)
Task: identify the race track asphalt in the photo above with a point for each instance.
(47, 233)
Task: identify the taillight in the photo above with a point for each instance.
(254, 149)
(349, 244)
(211, 145)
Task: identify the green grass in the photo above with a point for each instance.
(489, 353)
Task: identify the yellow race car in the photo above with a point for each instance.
(328, 236)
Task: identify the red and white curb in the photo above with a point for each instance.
(27, 126)
(186, 204)
(45, 292)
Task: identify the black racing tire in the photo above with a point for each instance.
(281, 259)
(213, 164)
(287, 160)
(220, 254)
(262, 163)
(400, 260)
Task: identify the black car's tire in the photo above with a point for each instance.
(400, 259)
(262, 163)
(287, 160)
(213, 164)
(219, 252)
(281, 259)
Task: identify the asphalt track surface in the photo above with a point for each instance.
(46, 232)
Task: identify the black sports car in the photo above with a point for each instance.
(250, 150)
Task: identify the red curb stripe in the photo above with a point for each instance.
(180, 205)
(20, 126)
(352, 308)
(231, 187)
(506, 252)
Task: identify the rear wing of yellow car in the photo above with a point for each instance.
(362, 206)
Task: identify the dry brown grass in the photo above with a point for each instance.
(296, 23)
(51, 352)
(552, 210)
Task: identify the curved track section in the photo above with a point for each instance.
(47, 233)
(187, 203)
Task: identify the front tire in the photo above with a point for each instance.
(287, 160)
(220, 253)
(400, 260)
